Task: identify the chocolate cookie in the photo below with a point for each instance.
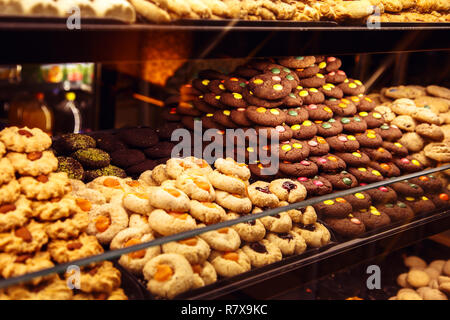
(92, 158)
(72, 167)
(396, 148)
(353, 124)
(234, 84)
(348, 227)
(283, 72)
(189, 122)
(408, 164)
(315, 81)
(305, 130)
(328, 128)
(316, 186)
(238, 117)
(136, 170)
(216, 86)
(109, 143)
(388, 132)
(329, 163)
(359, 200)
(269, 86)
(319, 112)
(318, 146)
(139, 137)
(382, 195)
(341, 107)
(110, 170)
(170, 114)
(354, 159)
(292, 100)
(352, 87)
(188, 109)
(331, 91)
(165, 130)
(127, 157)
(386, 169)
(372, 218)
(161, 150)
(265, 117)
(343, 143)
(308, 71)
(379, 154)
(441, 199)
(367, 175)
(304, 168)
(284, 132)
(396, 210)
(429, 183)
(71, 142)
(330, 64)
(208, 122)
(366, 104)
(419, 205)
(233, 100)
(293, 150)
(373, 119)
(335, 77)
(263, 172)
(342, 180)
(311, 96)
(245, 72)
(296, 115)
(406, 188)
(255, 101)
(297, 62)
(333, 208)
(200, 104)
(211, 74)
(223, 117)
(369, 139)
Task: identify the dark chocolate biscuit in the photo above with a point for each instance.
(366, 104)
(213, 100)
(342, 180)
(369, 139)
(348, 227)
(341, 107)
(109, 143)
(233, 99)
(201, 84)
(216, 86)
(211, 74)
(429, 183)
(396, 210)
(318, 146)
(335, 77)
(165, 130)
(359, 200)
(269, 86)
(296, 115)
(234, 84)
(188, 109)
(307, 71)
(372, 218)
(330, 64)
(389, 133)
(382, 195)
(170, 114)
(333, 208)
(246, 72)
(283, 72)
(311, 96)
(379, 154)
(127, 157)
(329, 163)
(366, 175)
(136, 170)
(209, 123)
(386, 169)
(139, 137)
(72, 167)
(316, 81)
(292, 100)
(223, 117)
(201, 105)
(353, 124)
(161, 150)
(110, 170)
(406, 188)
(441, 199)
(420, 205)
(92, 158)
(265, 117)
(396, 148)
(408, 164)
(373, 119)
(263, 172)
(284, 132)
(305, 130)
(255, 101)
(304, 168)
(293, 150)
(331, 91)
(328, 128)
(343, 143)
(354, 159)
(352, 87)
(297, 62)
(316, 186)
(319, 112)
(238, 116)
(189, 122)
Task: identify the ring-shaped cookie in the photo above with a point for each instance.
(289, 243)
(230, 167)
(195, 250)
(109, 186)
(196, 187)
(146, 178)
(233, 202)
(288, 190)
(261, 196)
(139, 221)
(225, 239)
(262, 253)
(228, 183)
(106, 221)
(316, 235)
(168, 223)
(27, 239)
(168, 198)
(137, 202)
(207, 212)
(229, 264)
(176, 166)
(159, 175)
(25, 139)
(250, 231)
(279, 223)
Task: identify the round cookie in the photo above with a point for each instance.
(359, 200)
(161, 150)
(92, 158)
(168, 223)
(296, 115)
(109, 143)
(348, 227)
(249, 231)
(378, 155)
(72, 167)
(372, 218)
(238, 116)
(330, 64)
(289, 243)
(195, 249)
(127, 157)
(187, 109)
(229, 264)
(318, 146)
(405, 123)
(354, 159)
(278, 223)
(196, 187)
(429, 183)
(336, 208)
(223, 117)
(263, 172)
(14, 214)
(343, 143)
(170, 114)
(396, 210)
(335, 77)
(331, 91)
(304, 168)
(200, 104)
(316, 234)
(319, 112)
(353, 124)
(303, 131)
(297, 62)
(341, 107)
(226, 239)
(316, 186)
(441, 199)
(269, 86)
(386, 169)
(45, 187)
(165, 130)
(292, 150)
(139, 137)
(235, 84)
(253, 100)
(69, 143)
(311, 96)
(342, 180)
(265, 117)
(207, 212)
(110, 170)
(366, 175)
(408, 164)
(233, 100)
(329, 163)
(406, 188)
(169, 199)
(389, 132)
(284, 132)
(328, 128)
(352, 87)
(25, 139)
(288, 190)
(396, 148)
(419, 205)
(105, 221)
(261, 195)
(233, 202)
(262, 253)
(366, 104)
(293, 100)
(283, 72)
(384, 194)
(315, 81)
(33, 163)
(308, 71)
(373, 119)
(369, 139)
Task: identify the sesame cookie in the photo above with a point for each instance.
(195, 250)
(315, 235)
(6, 171)
(168, 275)
(45, 187)
(278, 223)
(168, 223)
(106, 221)
(34, 163)
(229, 264)
(249, 231)
(25, 139)
(288, 190)
(233, 202)
(27, 239)
(289, 243)
(13, 265)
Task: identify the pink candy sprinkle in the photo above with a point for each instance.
(318, 183)
(312, 106)
(303, 179)
(404, 160)
(342, 138)
(355, 221)
(276, 78)
(384, 189)
(332, 73)
(363, 184)
(312, 143)
(280, 128)
(331, 59)
(322, 160)
(341, 72)
(305, 163)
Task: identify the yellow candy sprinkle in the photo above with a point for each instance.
(359, 196)
(205, 82)
(352, 85)
(397, 144)
(345, 101)
(297, 145)
(210, 115)
(250, 149)
(258, 81)
(221, 86)
(376, 173)
(363, 114)
(424, 198)
(376, 115)
(217, 97)
(303, 93)
(362, 169)
(319, 75)
(274, 111)
(313, 90)
(286, 147)
(356, 154)
(410, 198)
(307, 123)
(355, 99)
(328, 202)
(295, 127)
(226, 112)
(327, 109)
(322, 65)
(342, 105)
(261, 110)
(358, 82)
(277, 87)
(415, 162)
(352, 138)
(371, 136)
(237, 96)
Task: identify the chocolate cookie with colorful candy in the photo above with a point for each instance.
(348, 227)
(353, 124)
(330, 64)
(170, 114)
(213, 100)
(395, 148)
(188, 109)
(335, 77)
(369, 139)
(441, 200)
(341, 107)
(406, 188)
(320, 59)
(304, 168)
(342, 180)
(328, 128)
(265, 117)
(216, 86)
(359, 200)
(329, 163)
(384, 194)
(316, 186)
(234, 84)
(319, 112)
(372, 218)
(380, 154)
(256, 101)
(303, 130)
(354, 159)
(223, 117)
(307, 71)
(189, 122)
(233, 100)
(284, 132)
(429, 183)
(386, 169)
(292, 150)
(396, 210)
(366, 175)
(201, 84)
(366, 104)
(331, 91)
(245, 72)
(316, 81)
(293, 100)
(208, 122)
(296, 115)
(419, 205)
(318, 146)
(343, 143)
(352, 87)
(263, 171)
(270, 87)
(333, 208)
(164, 131)
(408, 164)
(200, 104)
(297, 62)
(239, 117)
(373, 119)
(311, 96)
(283, 72)
(389, 132)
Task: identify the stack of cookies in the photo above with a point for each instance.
(42, 224)
(185, 194)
